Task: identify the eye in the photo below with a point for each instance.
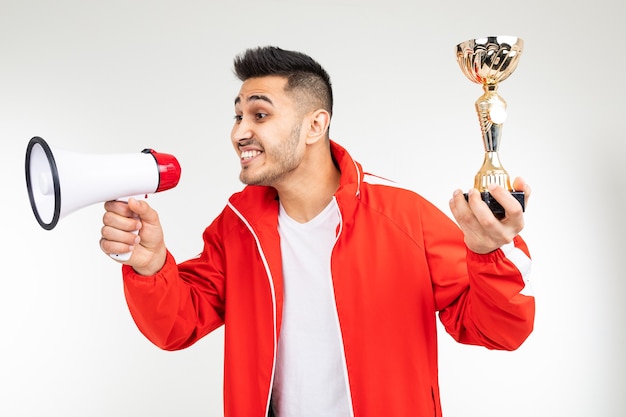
(238, 118)
(259, 116)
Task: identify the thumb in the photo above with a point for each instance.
(149, 255)
(142, 209)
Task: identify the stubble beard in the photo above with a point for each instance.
(283, 159)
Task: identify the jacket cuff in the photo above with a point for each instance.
(130, 274)
(502, 252)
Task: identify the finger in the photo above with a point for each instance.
(520, 185)
(464, 211)
(118, 240)
(112, 246)
(118, 207)
(480, 209)
(120, 221)
(117, 235)
(468, 214)
(458, 205)
(512, 207)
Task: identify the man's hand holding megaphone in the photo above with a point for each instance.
(60, 182)
(119, 234)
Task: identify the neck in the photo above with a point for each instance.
(306, 196)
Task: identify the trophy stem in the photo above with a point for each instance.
(491, 110)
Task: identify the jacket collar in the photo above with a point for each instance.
(351, 171)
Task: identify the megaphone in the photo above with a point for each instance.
(60, 182)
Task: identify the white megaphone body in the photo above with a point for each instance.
(62, 181)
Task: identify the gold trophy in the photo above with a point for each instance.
(489, 61)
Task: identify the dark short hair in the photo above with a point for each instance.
(303, 73)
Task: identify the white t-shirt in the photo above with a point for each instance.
(310, 378)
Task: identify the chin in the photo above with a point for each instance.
(248, 180)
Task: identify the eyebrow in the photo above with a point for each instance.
(255, 97)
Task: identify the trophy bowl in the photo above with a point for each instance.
(489, 60)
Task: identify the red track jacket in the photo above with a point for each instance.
(398, 260)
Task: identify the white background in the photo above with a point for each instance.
(119, 76)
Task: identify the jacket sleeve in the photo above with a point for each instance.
(181, 303)
(494, 307)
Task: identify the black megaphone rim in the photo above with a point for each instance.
(55, 175)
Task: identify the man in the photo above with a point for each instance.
(327, 279)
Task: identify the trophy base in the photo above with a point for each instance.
(495, 207)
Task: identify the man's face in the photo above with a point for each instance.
(266, 133)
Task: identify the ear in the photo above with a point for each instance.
(318, 122)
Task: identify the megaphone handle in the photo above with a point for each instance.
(123, 257)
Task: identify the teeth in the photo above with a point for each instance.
(249, 154)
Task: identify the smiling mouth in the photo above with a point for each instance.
(247, 155)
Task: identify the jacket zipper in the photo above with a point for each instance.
(343, 349)
(273, 291)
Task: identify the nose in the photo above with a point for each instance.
(241, 131)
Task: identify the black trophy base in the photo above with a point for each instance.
(495, 207)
